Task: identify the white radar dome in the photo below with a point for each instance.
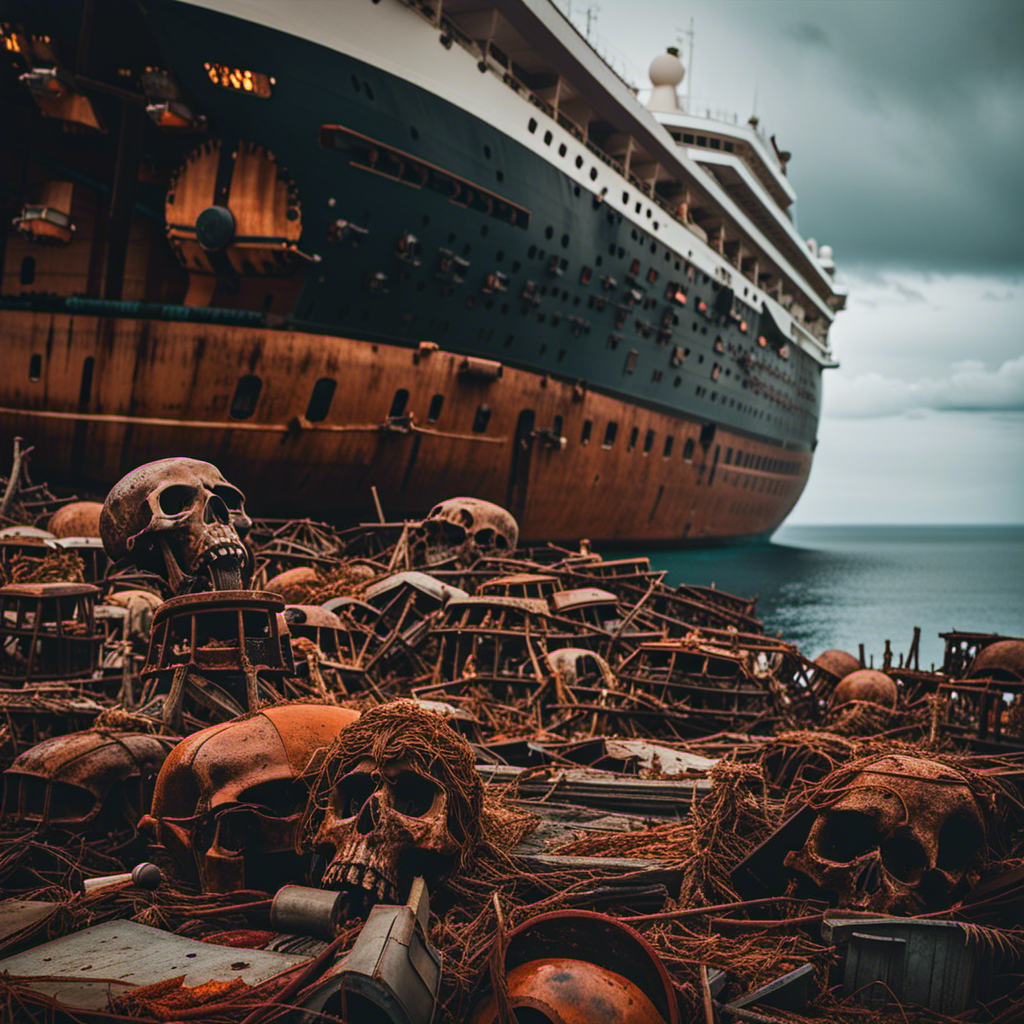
(666, 72)
(666, 69)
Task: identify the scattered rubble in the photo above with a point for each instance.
(413, 772)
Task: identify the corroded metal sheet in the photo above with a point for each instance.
(84, 969)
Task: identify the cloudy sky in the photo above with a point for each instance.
(906, 123)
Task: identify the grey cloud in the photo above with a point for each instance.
(969, 386)
(807, 34)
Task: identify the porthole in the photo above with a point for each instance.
(247, 393)
(481, 418)
(320, 399)
(398, 403)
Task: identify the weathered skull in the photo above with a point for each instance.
(397, 796)
(229, 799)
(180, 519)
(901, 837)
(463, 528)
(85, 781)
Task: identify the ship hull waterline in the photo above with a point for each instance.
(418, 423)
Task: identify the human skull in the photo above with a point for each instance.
(901, 837)
(463, 528)
(180, 519)
(397, 796)
(229, 799)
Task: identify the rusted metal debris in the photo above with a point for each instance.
(557, 746)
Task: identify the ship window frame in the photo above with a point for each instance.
(320, 399)
(666, 451)
(246, 397)
(412, 171)
(586, 432)
(649, 441)
(631, 360)
(435, 408)
(399, 403)
(611, 431)
(35, 367)
(481, 418)
(634, 436)
(688, 449)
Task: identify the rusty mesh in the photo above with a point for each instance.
(345, 581)
(54, 567)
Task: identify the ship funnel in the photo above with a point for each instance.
(666, 72)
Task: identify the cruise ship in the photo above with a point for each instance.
(411, 248)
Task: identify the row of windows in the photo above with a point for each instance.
(746, 460)
(764, 485)
(707, 141)
(611, 433)
(249, 388)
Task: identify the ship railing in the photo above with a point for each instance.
(481, 51)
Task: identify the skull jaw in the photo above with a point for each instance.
(218, 565)
(368, 878)
(864, 884)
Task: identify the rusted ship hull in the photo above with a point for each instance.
(99, 394)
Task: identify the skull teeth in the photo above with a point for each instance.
(361, 877)
(217, 551)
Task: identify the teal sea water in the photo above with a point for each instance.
(838, 586)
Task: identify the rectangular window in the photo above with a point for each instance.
(633, 435)
(609, 434)
(588, 427)
(631, 358)
(728, 456)
(648, 442)
(667, 450)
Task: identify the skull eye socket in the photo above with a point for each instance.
(413, 794)
(904, 858)
(279, 797)
(231, 496)
(176, 498)
(353, 792)
(960, 838)
(846, 835)
(485, 537)
(235, 831)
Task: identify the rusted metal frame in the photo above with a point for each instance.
(626, 620)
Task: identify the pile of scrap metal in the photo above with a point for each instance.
(260, 771)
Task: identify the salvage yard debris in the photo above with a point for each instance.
(413, 772)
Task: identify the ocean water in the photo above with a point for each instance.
(839, 586)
